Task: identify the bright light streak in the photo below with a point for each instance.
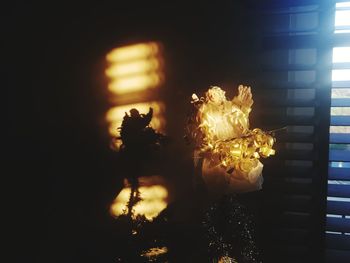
(339, 129)
(135, 68)
(116, 114)
(138, 66)
(134, 83)
(341, 54)
(133, 52)
(340, 74)
(342, 31)
(154, 200)
(340, 111)
(342, 18)
(340, 93)
(343, 4)
(338, 199)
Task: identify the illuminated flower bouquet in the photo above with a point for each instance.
(225, 148)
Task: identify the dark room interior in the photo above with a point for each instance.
(61, 107)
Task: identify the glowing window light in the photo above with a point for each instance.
(342, 31)
(116, 114)
(135, 68)
(340, 111)
(139, 66)
(337, 199)
(340, 93)
(154, 200)
(343, 4)
(339, 129)
(134, 83)
(342, 18)
(340, 164)
(340, 74)
(133, 52)
(341, 54)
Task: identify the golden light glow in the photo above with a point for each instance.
(154, 200)
(134, 83)
(220, 129)
(135, 68)
(131, 52)
(116, 114)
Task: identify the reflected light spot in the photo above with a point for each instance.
(340, 164)
(139, 66)
(154, 200)
(134, 83)
(340, 74)
(131, 52)
(135, 68)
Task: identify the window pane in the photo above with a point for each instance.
(340, 74)
(340, 93)
(344, 4)
(340, 111)
(342, 18)
(339, 129)
(341, 54)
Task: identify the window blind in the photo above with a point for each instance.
(293, 91)
(338, 199)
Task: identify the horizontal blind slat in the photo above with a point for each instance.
(339, 138)
(340, 120)
(338, 256)
(338, 241)
(338, 208)
(338, 224)
(339, 155)
(335, 173)
(339, 190)
(341, 84)
(340, 102)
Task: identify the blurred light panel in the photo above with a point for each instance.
(342, 18)
(137, 51)
(343, 4)
(338, 146)
(340, 74)
(340, 111)
(342, 93)
(116, 114)
(341, 54)
(339, 129)
(154, 199)
(135, 68)
(342, 31)
(135, 83)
